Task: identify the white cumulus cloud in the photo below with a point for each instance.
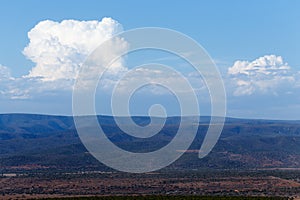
(59, 48)
(265, 74)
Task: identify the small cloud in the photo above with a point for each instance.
(265, 74)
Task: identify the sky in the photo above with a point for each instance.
(255, 45)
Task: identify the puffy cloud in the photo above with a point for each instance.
(268, 73)
(267, 65)
(59, 48)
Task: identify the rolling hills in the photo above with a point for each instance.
(44, 142)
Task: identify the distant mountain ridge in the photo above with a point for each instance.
(51, 142)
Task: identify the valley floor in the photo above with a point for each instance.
(219, 183)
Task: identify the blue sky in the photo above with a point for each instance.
(230, 31)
